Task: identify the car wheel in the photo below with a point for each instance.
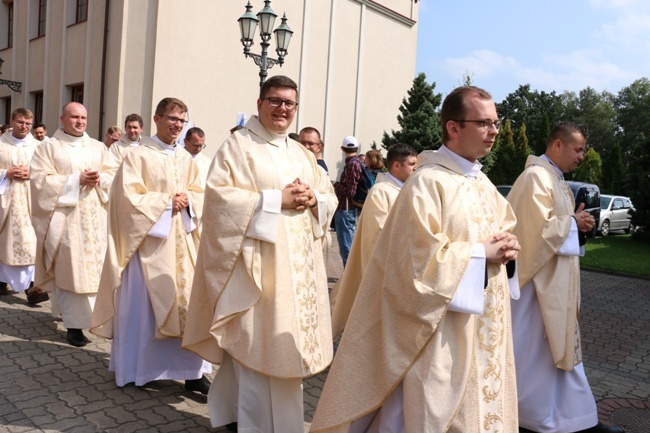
(629, 229)
(604, 228)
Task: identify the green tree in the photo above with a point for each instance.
(613, 171)
(521, 152)
(639, 175)
(502, 156)
(418, 118)
(590, 169)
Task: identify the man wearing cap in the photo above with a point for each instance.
(345, 218)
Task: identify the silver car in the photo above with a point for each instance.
(615, 214)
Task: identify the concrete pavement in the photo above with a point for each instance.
(48, 386)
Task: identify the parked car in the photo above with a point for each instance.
(589, 194)
(615, 214)
(504, 189)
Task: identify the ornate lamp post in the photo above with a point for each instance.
(13, 85)
(266, 18)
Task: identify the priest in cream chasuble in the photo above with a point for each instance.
(259, 303)
(428, 344)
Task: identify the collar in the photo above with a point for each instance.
(394, 179)
(469, 169)
(169, 149)
(557, 169)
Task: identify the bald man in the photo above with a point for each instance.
(69, 199)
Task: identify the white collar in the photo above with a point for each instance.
(469, 169)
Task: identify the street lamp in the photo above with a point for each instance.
(266, 18)
(13, 85)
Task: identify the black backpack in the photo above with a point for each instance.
(366, 181)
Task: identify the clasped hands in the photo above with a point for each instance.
(501, 248)
(20, 172)
(180, 201)
(89, 178)
(585, 220)
(298, 195)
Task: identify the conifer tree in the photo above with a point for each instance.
(418, 118)
(503, 156)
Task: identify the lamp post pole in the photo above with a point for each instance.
(13, 85)
(266, 18)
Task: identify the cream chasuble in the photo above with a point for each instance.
(203, 162)
(546, 222)
(141, 192)
(456, 370)
(265, 302)
(115, 156)
(17, 238)
(380, 200)
(69, 220)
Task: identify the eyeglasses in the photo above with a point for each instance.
(174, 119)
(114, 139)
(309, 143)
(276, 102)
(487, 124)
(23, 123)
(202, 146)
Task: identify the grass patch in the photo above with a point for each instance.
(617, 253)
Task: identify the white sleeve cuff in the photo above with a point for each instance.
(70, 193)
(4, 182)
(190, 221)
(164, 224)
(318, 229)
(469, 294)
(513, 282)
(571, 246)
(264, 224)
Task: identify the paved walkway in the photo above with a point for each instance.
(48, 386)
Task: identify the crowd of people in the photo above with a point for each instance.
(458, 308)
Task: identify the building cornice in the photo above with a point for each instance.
(387, 12)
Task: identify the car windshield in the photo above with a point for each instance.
(604, 202)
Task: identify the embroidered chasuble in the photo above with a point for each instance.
(17, 238)
(141, 192)
(69, 220)
(375, 211)
(265, 302)
(556, 277)
(456, 369)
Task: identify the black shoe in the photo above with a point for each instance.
(602, 428)
(201, 385)
(232, 426)
(4, 289)
(77, 338)
(36, 295)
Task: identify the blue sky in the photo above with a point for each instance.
(551, 44)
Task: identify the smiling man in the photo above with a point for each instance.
(17, 238)
(69, 195)
(428, 345)
(259, 302)
(129, 140)
(155, 207)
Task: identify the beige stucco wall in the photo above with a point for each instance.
(354, 61)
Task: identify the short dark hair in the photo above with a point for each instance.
(563, 131)
(314, 130)
(195, 130)
(293, 136)
(454, 106)
(40, 125)
(398, 153)
(134, 118)
(166, 103)
(277, 81)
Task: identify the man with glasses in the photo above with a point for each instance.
(17, 237)
(429, 340)
(69, 195)
(259, 303)
(311, 139)
(113, 134)
(552, 387)
(155, 207)
(194, 144)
